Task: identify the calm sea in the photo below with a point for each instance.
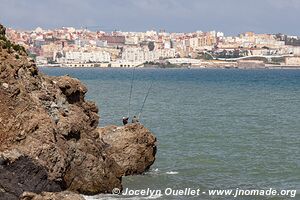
(216, 129)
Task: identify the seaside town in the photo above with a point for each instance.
(71, 47)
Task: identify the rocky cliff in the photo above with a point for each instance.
(49, 135)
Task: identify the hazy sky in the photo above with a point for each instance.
(229, 16)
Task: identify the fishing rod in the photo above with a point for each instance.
(149, 89)
(132, 78)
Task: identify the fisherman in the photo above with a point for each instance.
(125, 120)
(135, 119)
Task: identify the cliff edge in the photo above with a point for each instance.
(49, 135)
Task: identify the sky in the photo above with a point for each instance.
(229, 16)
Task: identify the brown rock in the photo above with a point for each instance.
(54, 130)
(132, 146)
(20, 173)
(66, 195)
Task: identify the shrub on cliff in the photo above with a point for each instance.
(6, 44)
(2, 30)
(18, 48)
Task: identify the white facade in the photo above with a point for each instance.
(292, 61)
(167, 44)
(220, 34)
(123, 63)
(79, 56)
(193, 42)
(40, 60)
(295, 50)
(143, 55)
(184, 61)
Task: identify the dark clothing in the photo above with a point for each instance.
(135, 119)
(125, 120)
(2, 161)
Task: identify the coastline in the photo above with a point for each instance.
(277, 67)
(228, 96)
(50, 136)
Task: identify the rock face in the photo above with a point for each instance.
(132, 146)
(51, 196)
(31, 176)
(47, 127)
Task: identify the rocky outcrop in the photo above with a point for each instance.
(51, 196)
(26, 175)
(132, 146)
(47, 127)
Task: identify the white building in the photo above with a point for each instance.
(220, 34)
(38, 30)
(295, 50)
(40, 60)
(143, 55)
(184, 61)
(292, 61)
(193, 42)
(167, 44)
(86, 57)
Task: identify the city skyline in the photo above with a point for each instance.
(72, 47)
(231, 17)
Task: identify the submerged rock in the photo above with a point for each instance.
(46, 125)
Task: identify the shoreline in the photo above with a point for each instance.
(273, 67)
(51, 144)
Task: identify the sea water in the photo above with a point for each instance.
(216, 129)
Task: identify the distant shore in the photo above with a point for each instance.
(183, 67)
